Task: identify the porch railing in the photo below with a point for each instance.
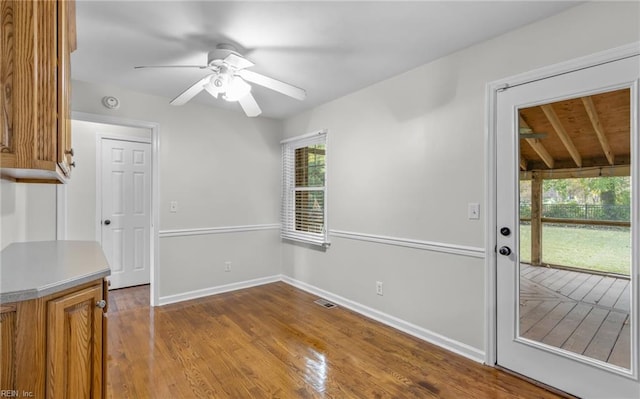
(586, 212)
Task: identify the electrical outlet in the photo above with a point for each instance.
(227, 266)
(379, 288)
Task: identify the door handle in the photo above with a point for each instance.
(506, 251)
(107, 222)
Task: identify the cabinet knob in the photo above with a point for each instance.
(73, 164)
(101, 304)
(69, 151)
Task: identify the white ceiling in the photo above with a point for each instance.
(329, 48)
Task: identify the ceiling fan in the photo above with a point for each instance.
(526, 132)
(229, 77)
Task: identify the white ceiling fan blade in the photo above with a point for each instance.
(191, 91)
(238, 61)
(171, 66)
(250, 106)
(273, 84)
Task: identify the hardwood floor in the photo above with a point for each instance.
(581, 312)
(272, 341)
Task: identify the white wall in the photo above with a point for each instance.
(405, 159)
(81, 189)
(223, 169)
(27, 212)
(406, 156)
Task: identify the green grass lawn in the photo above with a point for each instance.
(590, 248)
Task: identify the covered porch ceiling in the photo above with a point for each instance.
(587, 136)
(581, 137)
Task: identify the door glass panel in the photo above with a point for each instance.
(575, 226)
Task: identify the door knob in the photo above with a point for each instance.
(506, 251)
(505, 231)
(107, 222)
(101, 304)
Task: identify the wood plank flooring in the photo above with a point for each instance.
(272, 341)
(585, 313)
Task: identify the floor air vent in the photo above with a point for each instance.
(325, 304)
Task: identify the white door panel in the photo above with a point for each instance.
(576, 372)
(126, 218)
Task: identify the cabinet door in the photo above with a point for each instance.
(8, 337)
(7, 65)
(74, 345)
(66, 44)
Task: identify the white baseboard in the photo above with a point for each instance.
(185, 296)
(447, 343)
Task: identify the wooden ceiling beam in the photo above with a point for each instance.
(542, 152)
(537, 146)
(597, 126)
(607, 171)
(562, 133)
(601, 162)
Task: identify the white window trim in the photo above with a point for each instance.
(288, 231)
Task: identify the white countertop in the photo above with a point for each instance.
(31, 270)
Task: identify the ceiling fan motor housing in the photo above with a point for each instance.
(216, 57)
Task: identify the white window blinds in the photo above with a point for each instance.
(304, 189)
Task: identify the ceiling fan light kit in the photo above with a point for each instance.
(230, 78)
(237, 88)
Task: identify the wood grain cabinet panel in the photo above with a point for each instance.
(6, 77)
(55, 347)
(8, 335)
(37, 38)
(74, 345)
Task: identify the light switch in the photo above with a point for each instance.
(173, 206)
(473, 211)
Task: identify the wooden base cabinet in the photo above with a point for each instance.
(8, 337)
(55, 346)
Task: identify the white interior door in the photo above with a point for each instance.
(126, 213)
(558, 330)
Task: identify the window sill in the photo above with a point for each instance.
(312, 241)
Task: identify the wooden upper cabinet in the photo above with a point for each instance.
(67, 43)
(36, 39)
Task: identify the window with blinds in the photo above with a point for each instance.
(304, 190)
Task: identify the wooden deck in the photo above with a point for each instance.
(584, 313)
